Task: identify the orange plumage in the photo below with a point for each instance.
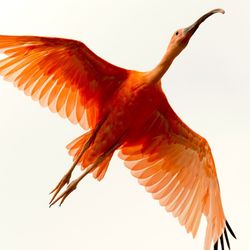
(124, 110)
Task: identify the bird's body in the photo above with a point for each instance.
(123, 118)
(124, 110)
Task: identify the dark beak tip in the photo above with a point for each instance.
(221, 11)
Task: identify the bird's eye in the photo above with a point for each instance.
(177, 33)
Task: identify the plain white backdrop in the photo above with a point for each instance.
(208, 86)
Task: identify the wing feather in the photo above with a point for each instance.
(176, 166)
(62, 74)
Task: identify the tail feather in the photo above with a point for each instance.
(101, 169)
(75, 148)
(78, 143)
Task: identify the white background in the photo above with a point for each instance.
(208, 86)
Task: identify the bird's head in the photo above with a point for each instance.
(182, 36)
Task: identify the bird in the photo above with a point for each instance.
(126, 111)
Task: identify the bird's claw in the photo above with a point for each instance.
(71, 187)
(64, 181)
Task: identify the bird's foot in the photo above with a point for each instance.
(64, 181)
(71, 187)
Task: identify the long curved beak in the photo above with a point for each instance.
(189, 31)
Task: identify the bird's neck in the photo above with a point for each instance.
(156, 74)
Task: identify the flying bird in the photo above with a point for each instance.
(126, 111)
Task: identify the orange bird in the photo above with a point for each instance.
(124, 110)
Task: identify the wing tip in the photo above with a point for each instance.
(226, 237)
(230, 230)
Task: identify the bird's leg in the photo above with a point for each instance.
(72, 186)
(66, 178)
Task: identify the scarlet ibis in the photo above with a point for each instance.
(124, 110)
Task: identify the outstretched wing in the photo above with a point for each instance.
(176, 165)
(62, 74)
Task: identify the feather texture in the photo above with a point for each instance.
(62, 74)
(176, 165)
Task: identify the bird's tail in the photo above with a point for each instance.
(76, 145)
(79, 150)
